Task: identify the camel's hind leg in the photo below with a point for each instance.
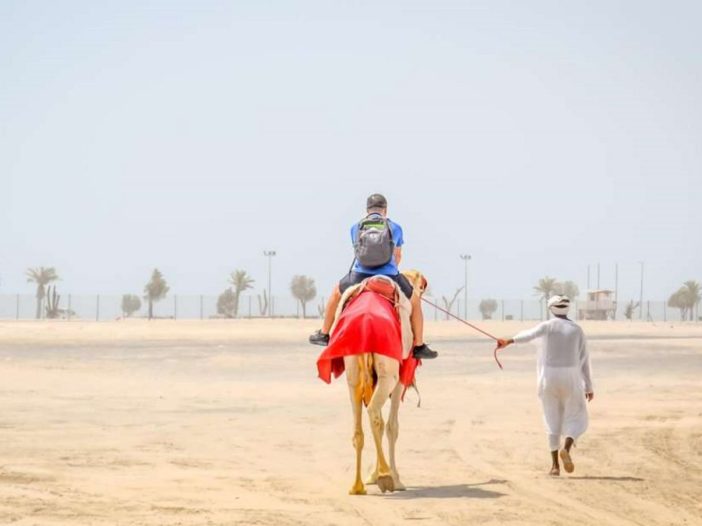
(353, 379)
(393, 431)
(387, 371)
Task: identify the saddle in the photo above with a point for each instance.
(388, 289)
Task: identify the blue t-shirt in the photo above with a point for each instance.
(389, 269)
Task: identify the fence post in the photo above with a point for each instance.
(665, 312)
(249, 307)
(200, 306)
(648, 309)
(97, 308)
(175, 306)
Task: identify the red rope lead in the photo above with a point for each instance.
(460, 319)
(448, 313)
(494, 353)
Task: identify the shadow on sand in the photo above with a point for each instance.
(454, 491)
(613, 479)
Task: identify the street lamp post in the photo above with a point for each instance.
(466, 258)
(269, 254)
(598, 276)
(588, 278)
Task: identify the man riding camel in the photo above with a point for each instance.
(378, 251)
(564, 382)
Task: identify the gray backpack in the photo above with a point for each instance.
(374, 246)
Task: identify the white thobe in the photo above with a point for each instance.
(563, 377)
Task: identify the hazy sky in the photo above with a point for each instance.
(537, 136)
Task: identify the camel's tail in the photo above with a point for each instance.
(368, 378)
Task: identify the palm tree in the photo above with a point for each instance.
(693, 295)
(487, 308)
(155, 290)
(545, 289)
(304, 290)
(41, 276)
(241, 281)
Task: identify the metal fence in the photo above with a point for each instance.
(109, 307)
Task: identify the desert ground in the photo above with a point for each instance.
(224, 422)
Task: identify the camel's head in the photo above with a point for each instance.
(417, 279)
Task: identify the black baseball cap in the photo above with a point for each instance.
(376, 201)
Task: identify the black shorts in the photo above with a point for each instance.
(354, 278)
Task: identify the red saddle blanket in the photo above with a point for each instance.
(369, 323)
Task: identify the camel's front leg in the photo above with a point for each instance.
(393, 431)
(387, 370)
(353, 379)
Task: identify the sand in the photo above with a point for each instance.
(224, 422)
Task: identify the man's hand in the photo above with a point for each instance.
(501, 344)
(589, 396)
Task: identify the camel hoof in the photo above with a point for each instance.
(357, 489)
(372, 478)
(399, 486)
(385, 483)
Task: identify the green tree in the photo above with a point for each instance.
(488, 307)
(155, 290)
(131, 303)
(545, 288)
(567, 288)
(693, 296)
(304, 290)
(679, 300)
(226, 303)
(241, 281)
(41, 276)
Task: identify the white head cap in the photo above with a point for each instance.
(559, 305)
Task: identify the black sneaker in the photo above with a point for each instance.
(423, 352)
(319, 338)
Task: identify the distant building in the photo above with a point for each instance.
(599, 305)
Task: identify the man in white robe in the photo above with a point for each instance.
(563, 379)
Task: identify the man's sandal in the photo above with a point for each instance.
(567, 461)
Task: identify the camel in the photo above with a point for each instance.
(377, 320)
(359, 372)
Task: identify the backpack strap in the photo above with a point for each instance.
(352, 264)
